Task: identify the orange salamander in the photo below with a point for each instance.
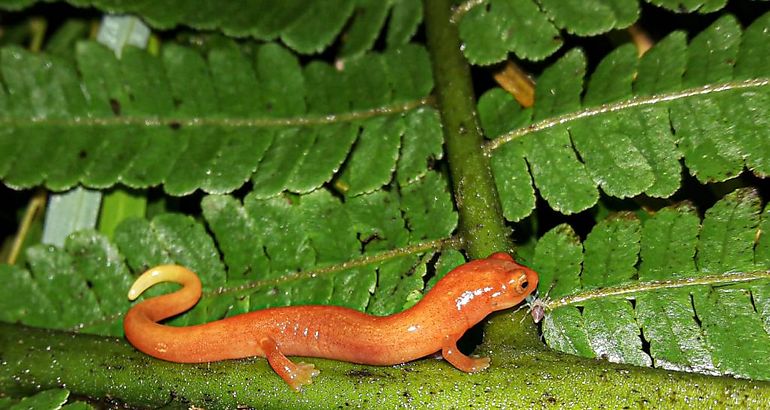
(457, 302)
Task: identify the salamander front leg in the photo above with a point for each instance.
(296, 375)
(457, 359)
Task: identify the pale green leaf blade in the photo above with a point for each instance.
(557, 90)
(372, 163)
(552, 161)
(657, 145)
(399, 285)
(612, 78)
(754, 54)
(558, 259)
(102, 267)
(762, 248)
(669, 240)
(611, 252)
(64, 286)
(662, 67)
(676, 339)
(321, 161)
(69, 212)
(620, 168)
(612, 331)
(726, 240)
(427, 207)
(725, 313)
(564, 331)
(316, 26)
(499, 112)
(22, 300)
(171, 238)
(47, 399)
(137, 121)
(281, 161)
(243, 254)
(422, 145)
(492, 30)
(448, 260)
(713, 53)
(688, 6)
(588, 18)
(405, 17)
(307, 28)
(633, 142)
(370, 19)
(682, 319)
(513, 181)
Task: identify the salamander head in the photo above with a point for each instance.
(483, 286)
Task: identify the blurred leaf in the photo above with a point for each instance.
(47, 399)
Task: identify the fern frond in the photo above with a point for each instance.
(708, 102)
(304, 27)
(368, 252)
(490, 29)
(46, 399)
(688, 307)
(141, 122)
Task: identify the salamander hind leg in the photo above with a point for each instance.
(295, 374)
(460, 361)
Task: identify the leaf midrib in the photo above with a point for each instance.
(640, 287)
(231, 122)
(623, 105)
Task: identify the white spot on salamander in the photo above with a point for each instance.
(468, 295)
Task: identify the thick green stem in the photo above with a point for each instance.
(521, 376)
(481, 218)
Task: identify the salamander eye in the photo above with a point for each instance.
(521, 283)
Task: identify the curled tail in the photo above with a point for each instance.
(140, 323)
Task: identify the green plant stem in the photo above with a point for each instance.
(521, 376)
(481, 217)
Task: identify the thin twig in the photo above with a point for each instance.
(35, 205)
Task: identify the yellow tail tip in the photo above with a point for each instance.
(133, 294)
(158, 274)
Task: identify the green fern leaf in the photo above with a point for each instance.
(490, 29)
(493, 28)
(46, 399)
(369, 253)
(688, 309)
(701, 6)
(587, 18)
(137, 121)
(719, 121)
(85, 281)
(304, 27)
